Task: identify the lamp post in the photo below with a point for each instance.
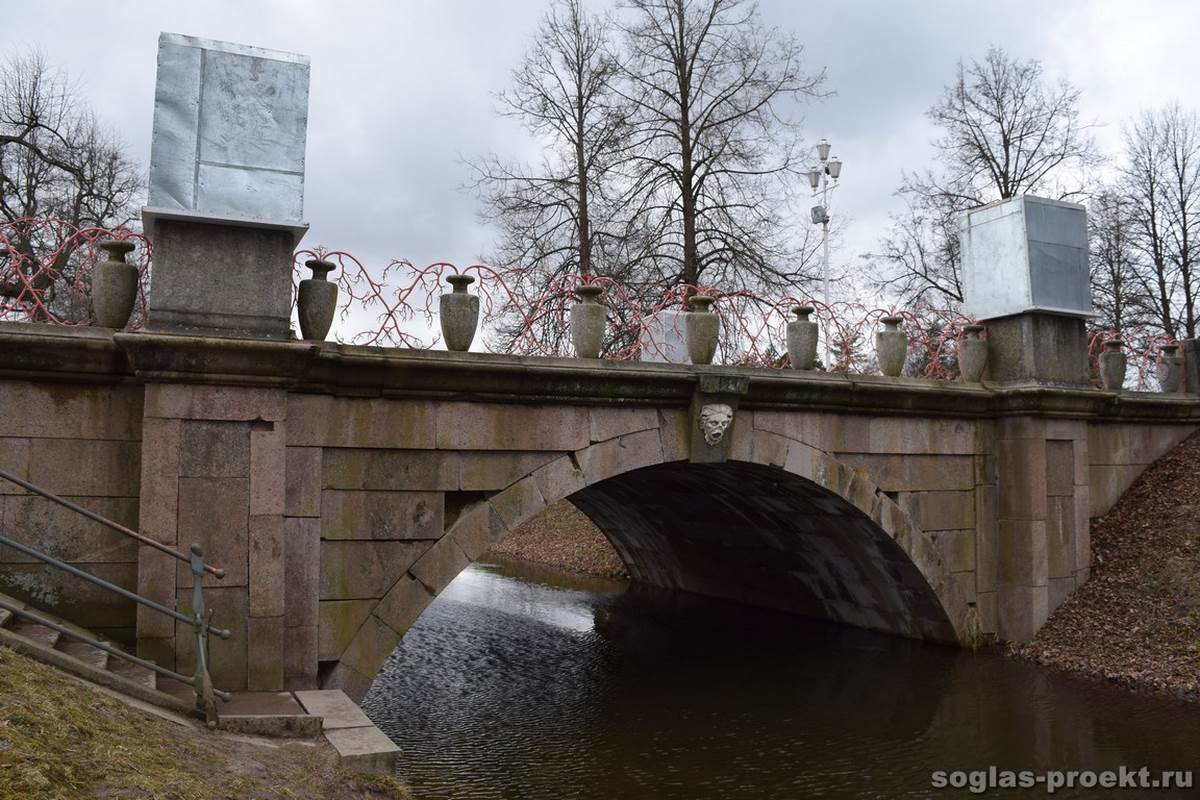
(819, 176)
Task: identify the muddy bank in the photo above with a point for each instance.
(562, 537)
(1136, 622)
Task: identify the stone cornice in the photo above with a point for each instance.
(90, 355)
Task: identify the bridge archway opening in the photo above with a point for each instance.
(815, 539)
(762, 536)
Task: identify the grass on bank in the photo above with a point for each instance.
(62, 738)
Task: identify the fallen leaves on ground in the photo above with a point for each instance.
(1136, 621)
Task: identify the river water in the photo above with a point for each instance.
(524, 683)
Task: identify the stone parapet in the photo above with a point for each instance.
(88, 355)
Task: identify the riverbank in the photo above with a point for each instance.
(62, 738)
(564, 538)
(1136, 622)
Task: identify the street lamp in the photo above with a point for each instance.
(819, 176)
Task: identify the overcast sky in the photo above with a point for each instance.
(401, 90)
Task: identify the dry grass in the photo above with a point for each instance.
(60, 738)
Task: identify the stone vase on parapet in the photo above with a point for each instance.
(316, 301)
(701, 325)
(891, 346)
(1112, 366)
(972, 354)
(114, 285)
(458, 313)
(587, 322)
(802, 339)
(1169, 369)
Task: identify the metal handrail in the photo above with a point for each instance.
(100, 644)
(201, 619)
(92, 515)
(112, 587)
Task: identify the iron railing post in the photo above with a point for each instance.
(206, 704)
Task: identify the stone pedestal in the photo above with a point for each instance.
(1037, 346)
(1025, 276)
(1191, 365)
(215, 279)
(226, 188)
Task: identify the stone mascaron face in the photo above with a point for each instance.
(715, 419)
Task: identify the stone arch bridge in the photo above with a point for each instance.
(342, 488)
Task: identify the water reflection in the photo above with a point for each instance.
(515, 684)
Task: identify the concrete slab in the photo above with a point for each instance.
(364, 749)
(332, 705)
(261, 704)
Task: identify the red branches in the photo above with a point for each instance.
(46, 266)
(536, 322)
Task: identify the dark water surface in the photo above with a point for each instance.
(516, 684)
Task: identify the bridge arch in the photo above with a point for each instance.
(781, 524)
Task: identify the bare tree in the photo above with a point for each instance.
(57, 160)
(921, 252)
(557, 217)
(714, 154)
(1181, 147)
(1006, 130)
(1117, 293)
(1162, 171)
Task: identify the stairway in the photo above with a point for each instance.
(361, 747)
(49, 646)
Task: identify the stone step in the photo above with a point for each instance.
(177, 689)
(47, 637)
(334, 708)
(134, 672)
(94, 657)
(83, 659)
(364, 749)
(5, 617)
(361, 747)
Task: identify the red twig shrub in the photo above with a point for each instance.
(46, 267)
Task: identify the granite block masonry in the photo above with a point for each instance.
(340, 501)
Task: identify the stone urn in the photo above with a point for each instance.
(1170, 368)
(891, 346)
(459, 313)
(114, 285)
(1112, 366)
(701, 326)
(972, 354)
(587, 321)
(802, 339)
(316, 301)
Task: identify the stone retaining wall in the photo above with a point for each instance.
(82, 442)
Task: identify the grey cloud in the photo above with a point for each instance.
(400, 90)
